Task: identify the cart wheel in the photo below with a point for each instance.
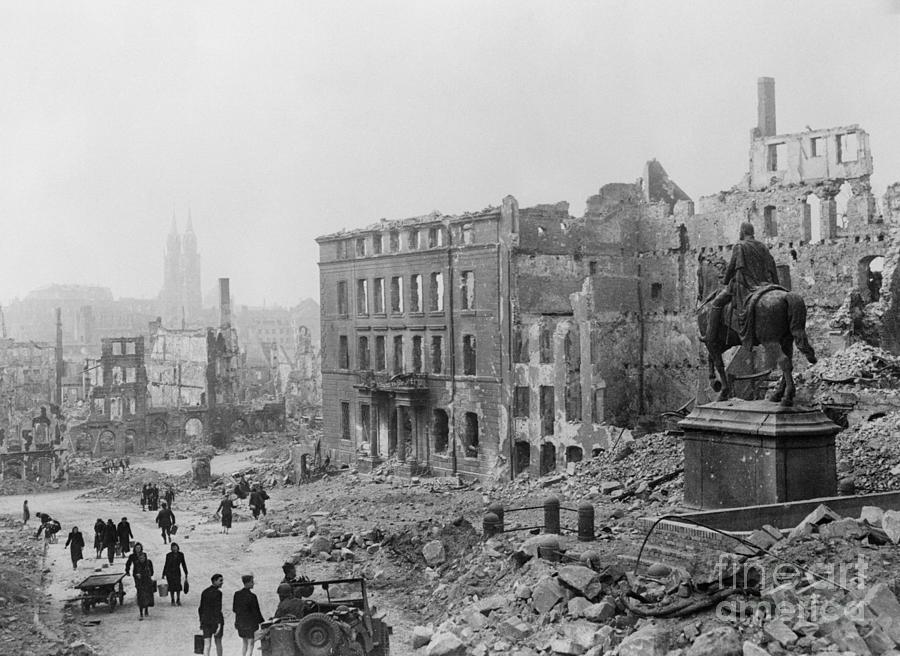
(111, 600)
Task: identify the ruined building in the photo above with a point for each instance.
(515, 339)
(180, 298)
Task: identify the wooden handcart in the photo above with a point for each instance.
(102, 589)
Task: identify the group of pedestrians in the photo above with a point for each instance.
(111, 537)
(244, 605)
(140, 567)
(112, 465)
(242, 490)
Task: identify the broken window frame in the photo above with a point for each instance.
(380, 363)
(522, 401)
(547, 409)
(362, 353)
(471, 436)
(360, 247)
(417, 354)
(343, 352)
(378, 295)
(362, 297)
(396, 294)
(345, 421)
(469, 352)
(377, 243)
(467, 290)
(546, 344)
(520, 345)
(435, 237)
(442, 436)
(412, 239)
(437, 354)
(415, 293)
(655, 291)
(394, 241)
(467, 234)
(436, 292)
(342, 298)
(399, 363)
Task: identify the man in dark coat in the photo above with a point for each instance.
(212, 622)
(125, 535)
(247, 616)
(751, 266)
(110, 538)
(165, 519)
(258, 501)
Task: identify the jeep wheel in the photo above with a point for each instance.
(317, 635)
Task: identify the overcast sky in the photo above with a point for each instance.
(275, 122)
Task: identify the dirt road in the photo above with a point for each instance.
(169, 630)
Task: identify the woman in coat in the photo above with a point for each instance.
(99, 529)
(124, 532)
(110, 537)
(75, 543)
(225, 508)
(133, 558)
(172, 572)
(143, 582)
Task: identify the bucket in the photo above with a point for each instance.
(163, 589)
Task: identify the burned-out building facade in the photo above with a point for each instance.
(516, 339)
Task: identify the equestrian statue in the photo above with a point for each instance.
(748, 307)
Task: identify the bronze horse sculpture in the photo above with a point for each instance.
(780, 318)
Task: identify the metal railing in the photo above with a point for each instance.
(493, 523)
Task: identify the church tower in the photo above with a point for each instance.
(170, 297)
(190, 266)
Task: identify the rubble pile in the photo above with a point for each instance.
(649, 468)
(833, 592)
(860, 363)
(869, 455)
(128, 484)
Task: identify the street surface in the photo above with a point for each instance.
(170, 629)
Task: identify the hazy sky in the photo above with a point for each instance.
(275, 122)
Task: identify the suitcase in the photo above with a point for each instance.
(198, 643)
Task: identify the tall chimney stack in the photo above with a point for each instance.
(60, 363)
(224, 303)
(765, 95)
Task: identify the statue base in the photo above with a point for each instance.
(749, 453)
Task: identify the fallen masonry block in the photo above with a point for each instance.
(566, 647)
(320, 543)
(608, 487)
(600, 612)
(577, 606)
(750, 649)
(882, 608)
(649, 640)
(475, 620)
(445, 644)
(489, 604)
(514, 628)
(421, 636)
(847, 528)
(821, 515)
(842, 632)
(583, 579)
(890, 523)
(720, 641)
(582, 633)
(872, 515)
(546, 594)
(780, 632)
(434, 553)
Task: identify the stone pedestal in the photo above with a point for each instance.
(748, 453)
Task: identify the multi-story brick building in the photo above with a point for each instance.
(513, 340)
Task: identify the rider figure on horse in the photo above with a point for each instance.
(751, 265)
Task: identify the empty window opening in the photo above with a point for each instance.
(436, 292)
(597, 406)
(117, 348)
(468, 234)
(523, 456)
(440, 428)
(377, 243)
(815, 147)
(547, 409)
(573, 401)
(437, 354)
(656, 291)
(398, 354)
(394, 241)
(521, 402)
(471, 435)
(770, 221)
(397, 295)
(467, 290)
(847, 148)
(343, 353)
(363, 353)
(362, 296)
(435, 237)
(415, 292)
(777, 157)
(469, 355)
(592, 267)
(546, 345)
(342, 297)
(541, 231)
(417, 354)
(378, 294)
(520, 344)
(380, 364)
(341, 250)
(361, 247)
(842, 205)
(812, 219)
(574, 454)
(548, 458)
(413, 240)
(871, 269)
(345, 420)
(130, 348)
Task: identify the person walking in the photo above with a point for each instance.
(165, 519)
(99, 528)
(172, 572)
(169, 496)
(75, 543)
(212, 622)
(132, 559)
(247, 616)
(144, 495)
(123, 530)
(26, 514)
(258, 501)
(110, 538)
(143, 582)
(225, 509)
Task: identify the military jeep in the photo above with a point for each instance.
(336, 621)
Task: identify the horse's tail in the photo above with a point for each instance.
(797, 321)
